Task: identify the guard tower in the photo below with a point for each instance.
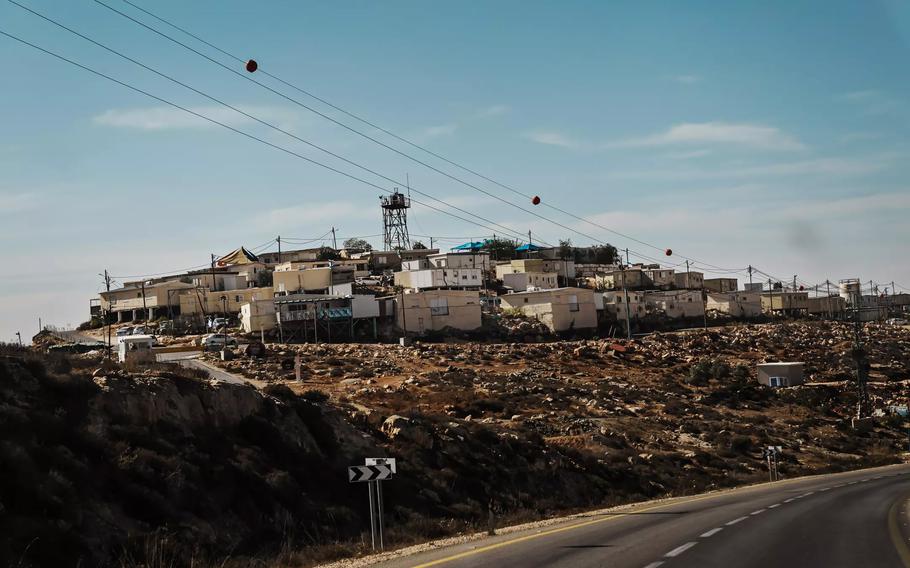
(395, 220)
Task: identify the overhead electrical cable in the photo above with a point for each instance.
(249, 115)
(362, 134)
(379, 128)
(233, 129)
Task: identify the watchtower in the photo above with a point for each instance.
(395, 220)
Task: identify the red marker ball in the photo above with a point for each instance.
(251, 65)
(535, 200)
(668, 252)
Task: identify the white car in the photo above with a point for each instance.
(216, 341)
(896, 321)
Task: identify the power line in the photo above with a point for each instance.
(235, 130)
(377, 127)
(246, 114)
(368, 137)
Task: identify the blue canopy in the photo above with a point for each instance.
(528, 247)
(476, 245)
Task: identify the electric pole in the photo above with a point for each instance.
(334, 242)
(750, 275)
(106, 314)
(862, 365)
(279, 248)
(19, 335)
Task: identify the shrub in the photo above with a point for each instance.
(316, 396)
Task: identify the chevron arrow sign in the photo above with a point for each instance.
(368, 473)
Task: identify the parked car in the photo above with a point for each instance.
(897, 321)
(216, 341)
(124, 331)
(139, 330)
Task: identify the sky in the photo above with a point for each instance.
(770, 134)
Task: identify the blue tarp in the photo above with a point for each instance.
(528, 247)
(476, 245)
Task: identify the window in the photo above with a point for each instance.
(779, 381)
(238, 299)
(573, 303)
(526, 300)
(464, 276)
(439, 306)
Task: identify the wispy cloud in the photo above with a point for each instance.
(871, 203)
(687, 79)
(822, 166)
(689, 155)
(440, 130)
(296, 216)
(169, 118)
(18, 202)
(495, 110)
(872, 102)
(748, 135)
(551, 138)
(857, 137)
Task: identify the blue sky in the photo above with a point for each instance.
(771, 134)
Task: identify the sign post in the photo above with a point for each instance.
(375, 470)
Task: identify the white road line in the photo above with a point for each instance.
(877, 477)
(864, 480)
(712, 532)
(654, 564)
(774, 505)
(825, 489)
(680, 549)
(759, 512)
(841, 485)
(851, 482)
(734, 521)
(790, 500)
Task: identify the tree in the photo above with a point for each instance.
(565, 249)
(500, 249)
(264, 278)
(355, 243)
(328, 253)
(417, 245)
(606, 254)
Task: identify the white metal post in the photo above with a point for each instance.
(379, 505)
(372, 519)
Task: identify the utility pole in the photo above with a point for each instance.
(862, 365)
(19, 335)
(431, 243)
(279, 248)
(771, 296)
(107, 314)
(625, 294)
(627, 257)
(334, 241)
(828, 298)
(145, 313)
(750, 275)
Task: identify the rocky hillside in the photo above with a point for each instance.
(102, 466)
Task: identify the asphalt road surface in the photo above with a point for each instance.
(191, 360)
(855, 519)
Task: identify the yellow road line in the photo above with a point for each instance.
(614, 516)
(897, 537)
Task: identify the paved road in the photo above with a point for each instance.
(192, 360)
(856, 519)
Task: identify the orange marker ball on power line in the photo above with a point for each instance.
(535, 200)
(251, 65)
